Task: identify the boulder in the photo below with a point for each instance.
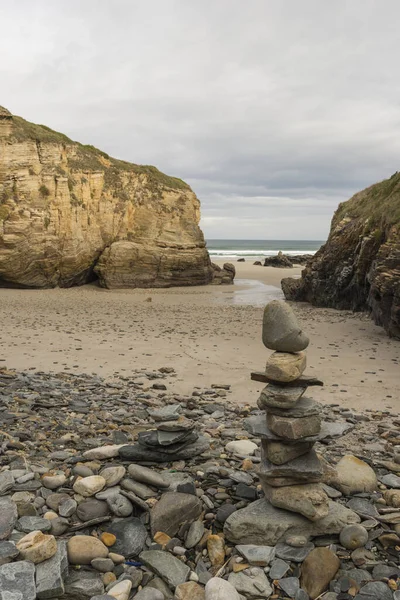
(226, 275)
(280, 261)
(281, 330)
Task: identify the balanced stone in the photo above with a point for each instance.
(257, 426)
(294, 428)
(280, 397)
(285, 367)
(309, 500)
(280, 453)
(281, 330)
(261, 523)
(305, 469)
(305, 407)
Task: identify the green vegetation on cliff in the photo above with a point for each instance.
(378, 205)
(89, 158)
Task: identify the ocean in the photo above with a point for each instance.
(254, 249)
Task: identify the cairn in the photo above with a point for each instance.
(291, 471)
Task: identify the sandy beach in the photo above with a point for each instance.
(207, 334)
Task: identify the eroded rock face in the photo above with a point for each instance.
(359, 266)
(69, 213)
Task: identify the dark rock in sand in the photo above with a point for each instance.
(280, 260)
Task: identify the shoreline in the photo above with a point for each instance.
(209, 335)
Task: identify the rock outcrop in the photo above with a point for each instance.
(69, 213)
(359, 266)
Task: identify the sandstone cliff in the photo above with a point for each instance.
(359, 266)
(69, 213)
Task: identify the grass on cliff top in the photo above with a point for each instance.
(88, 157)
(379, 204)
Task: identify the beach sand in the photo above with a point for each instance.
(209, 335)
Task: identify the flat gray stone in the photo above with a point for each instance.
(195, 533)
(166, 438)
(305, 407)
(170, 412)
(278, 569)
(292, 554)
(290, 585)
(29, 524)
(83, 584)
(172, 510)
(17, 581)
(131, 536)
(280, 453)
(281, 330)
(8, 517)
(136, 452)
(261, 523)
(375, 590)
(304, 469)
(391, 480)
(148, 476)
(274, 395)
(257, 426)
(257, 586)
(149, 439)
(294, 428)
(140, 489)
(259, 556)
(7, 482)
(51, 573)
(8, 552)
(165, 565)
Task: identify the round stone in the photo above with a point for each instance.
(89, 486)
(82, 549)
(353, 536)
(281, 330)
(53, 479)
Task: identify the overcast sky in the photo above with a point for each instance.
(273, 110)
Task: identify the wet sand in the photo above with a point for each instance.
(209, 334)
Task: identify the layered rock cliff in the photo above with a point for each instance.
(359, 266)
(69, 213)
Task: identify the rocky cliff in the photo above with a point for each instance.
(359, 266)
(69, 213)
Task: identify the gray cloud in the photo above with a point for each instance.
(273, 111)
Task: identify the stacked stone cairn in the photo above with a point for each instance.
(291, 471)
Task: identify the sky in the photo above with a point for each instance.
(274, 111)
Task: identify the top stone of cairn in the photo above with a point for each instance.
(281, 330)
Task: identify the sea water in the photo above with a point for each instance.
(257, 249)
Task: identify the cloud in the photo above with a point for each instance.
(273, 111)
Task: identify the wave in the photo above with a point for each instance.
(215, 252)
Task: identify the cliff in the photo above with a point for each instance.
(359, 266)
(69, 214)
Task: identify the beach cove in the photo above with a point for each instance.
(208, 335)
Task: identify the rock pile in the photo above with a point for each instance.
(291, 471)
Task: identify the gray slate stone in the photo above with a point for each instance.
(290, 585)
(8, 517)
(305, 407)
(148, 476)
(292, 554)
(257, 425)
(92, 509)
(261, 523)
(170, 412)
(51, 573)
(281, 330)
(149, 439)
(131, 536)
(83, 584)
(274, 395)
(260, 556)
(172, 510)
(28, 524)
(17, 581)
(304, 469)
(149, 593)
(278, 569)
(139, 453)
(6, 482)
(391, 480)
(165, 565)
(257, 586)
(195, 533)
(375, 590)
(139, 489)
(8, 552)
